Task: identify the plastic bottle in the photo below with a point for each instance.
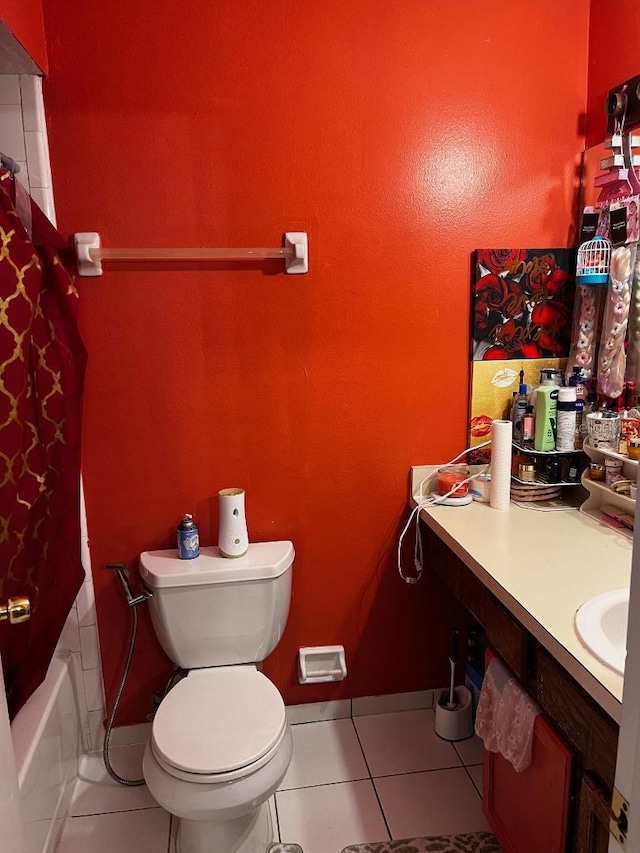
(577, 381)
(520, 402)
(547, 377)
(528, 426)
(566, 432)
(546, 417)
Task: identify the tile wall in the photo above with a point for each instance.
(23, 136)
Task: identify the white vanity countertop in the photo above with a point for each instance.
(542, 566)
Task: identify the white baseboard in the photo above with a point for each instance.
(315, 712)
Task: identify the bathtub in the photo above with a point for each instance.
(46, 741)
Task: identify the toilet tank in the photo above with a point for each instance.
(213, 610)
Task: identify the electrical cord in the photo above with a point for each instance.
(430, 500)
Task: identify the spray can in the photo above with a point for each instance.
(188, 538)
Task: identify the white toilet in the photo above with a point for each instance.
(220, 744)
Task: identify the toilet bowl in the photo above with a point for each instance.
(220, 744)
(219, 747)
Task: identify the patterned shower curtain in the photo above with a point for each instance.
(42, 364)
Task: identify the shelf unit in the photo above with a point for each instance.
(530, 451)
(600, 493)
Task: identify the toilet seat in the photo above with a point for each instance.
(218, 724)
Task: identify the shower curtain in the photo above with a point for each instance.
(42, 364)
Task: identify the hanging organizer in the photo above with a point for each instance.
(90, 254)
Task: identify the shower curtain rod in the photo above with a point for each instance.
(90, 254)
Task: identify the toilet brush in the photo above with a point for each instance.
(453, 660)
(454, 714)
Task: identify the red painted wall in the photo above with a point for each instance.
(24, 19)
(614, 37)
(400, 141)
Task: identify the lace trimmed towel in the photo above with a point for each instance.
(506, 716)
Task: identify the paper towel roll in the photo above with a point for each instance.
(501, 436)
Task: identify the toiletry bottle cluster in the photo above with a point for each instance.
(552, 416)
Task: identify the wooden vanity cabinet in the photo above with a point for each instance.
(587, 730)
(593, 817)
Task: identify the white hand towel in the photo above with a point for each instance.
(506, 716)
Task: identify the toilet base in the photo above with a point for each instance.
(252, 833)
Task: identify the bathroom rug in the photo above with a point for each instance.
(474, 842)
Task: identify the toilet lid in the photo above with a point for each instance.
(217, 720)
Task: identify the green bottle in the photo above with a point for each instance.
(546, 417)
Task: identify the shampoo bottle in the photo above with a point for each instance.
(546, 417)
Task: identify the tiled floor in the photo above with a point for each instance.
(369, 778)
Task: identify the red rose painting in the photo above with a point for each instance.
(522, 303)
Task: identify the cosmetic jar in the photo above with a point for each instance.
(449, 476)
(596, 471)
(527, 473)
(604, 429)
(633, 445)
(613, 470)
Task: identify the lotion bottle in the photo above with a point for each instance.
(546, 417)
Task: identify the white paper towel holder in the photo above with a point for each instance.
(501, 443)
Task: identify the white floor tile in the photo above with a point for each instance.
(324, 753)
(96, 792)
(470, 750)
(330, 817)
(476, 774)
(441, 802)
(144, 831)
(403, 743)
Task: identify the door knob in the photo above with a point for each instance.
(16, 610)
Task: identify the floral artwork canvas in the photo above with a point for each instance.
(523, 303)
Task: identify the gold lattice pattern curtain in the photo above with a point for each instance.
(42, 364)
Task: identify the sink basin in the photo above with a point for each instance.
(601, 625)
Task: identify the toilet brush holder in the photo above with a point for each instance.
(454, 723)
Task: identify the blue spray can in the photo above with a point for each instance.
(188, 538)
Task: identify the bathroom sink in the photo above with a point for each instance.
(601, 626)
